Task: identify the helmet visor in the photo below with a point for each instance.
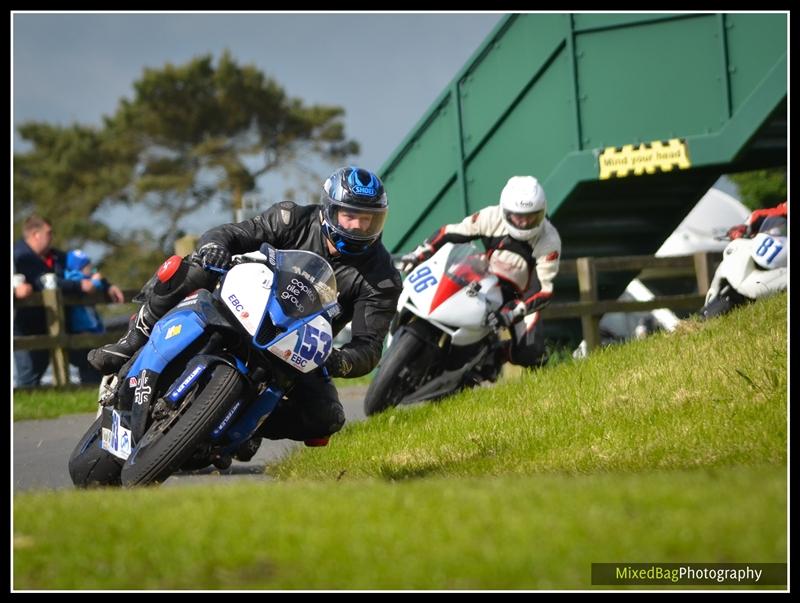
(356, 223)
(524, 221)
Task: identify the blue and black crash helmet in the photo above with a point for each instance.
(354, 205)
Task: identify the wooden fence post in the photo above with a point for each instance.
(587, 283)
(702, 270)
(54, 310)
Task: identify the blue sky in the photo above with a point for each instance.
(384, 69)
(75, 67)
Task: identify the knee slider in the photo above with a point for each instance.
(171, 276)
(186, 277)
(168, 269)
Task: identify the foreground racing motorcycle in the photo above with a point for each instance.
(439, 340)
(750, 269)
(214, 368)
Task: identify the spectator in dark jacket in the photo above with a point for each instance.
(38, 262)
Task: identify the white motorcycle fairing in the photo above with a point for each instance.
(755, 267)
(248, 303)
(460, 311)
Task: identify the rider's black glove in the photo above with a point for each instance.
(510, 314)
(410, 260)
(407, 263)
(338, 364)
(215, 256)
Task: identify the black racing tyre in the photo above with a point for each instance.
(404, 368)
(728, 299)
(90, 465)
(170, 442)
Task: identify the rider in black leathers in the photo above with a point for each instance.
(345, 229)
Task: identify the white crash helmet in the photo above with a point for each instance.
(524, 205)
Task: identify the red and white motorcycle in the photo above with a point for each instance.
(750, 269)
(439, 342)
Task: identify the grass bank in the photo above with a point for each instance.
(53, 402)
(671, 449)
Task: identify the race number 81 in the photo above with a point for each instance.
(764, 248)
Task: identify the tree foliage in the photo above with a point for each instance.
(134, 260)
(209, 131)
(761, 188)
(70, 173)
(191, 135)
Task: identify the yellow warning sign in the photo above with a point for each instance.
(618, 162)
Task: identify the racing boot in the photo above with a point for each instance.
(248, 449)
(109, 358)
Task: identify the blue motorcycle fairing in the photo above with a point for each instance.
(276, 314)
(202, 302)
(171, 335)
(280, 319)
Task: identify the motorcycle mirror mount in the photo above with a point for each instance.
(473, 288)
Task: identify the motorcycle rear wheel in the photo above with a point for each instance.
(170, 442)
(90, 465)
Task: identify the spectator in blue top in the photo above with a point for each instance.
(83, 319)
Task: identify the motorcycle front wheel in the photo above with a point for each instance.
(406, 365)
(170, 441)
(728, 299)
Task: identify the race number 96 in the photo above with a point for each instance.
(422, 279)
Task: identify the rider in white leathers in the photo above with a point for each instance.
(523, 249)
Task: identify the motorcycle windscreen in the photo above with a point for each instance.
(313, 272)
(775, 226)
(304, 285)
(294, 301)
(458, 275)
(297, 297)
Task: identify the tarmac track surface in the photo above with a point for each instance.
(42, 449)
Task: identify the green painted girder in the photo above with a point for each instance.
(545, 94)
